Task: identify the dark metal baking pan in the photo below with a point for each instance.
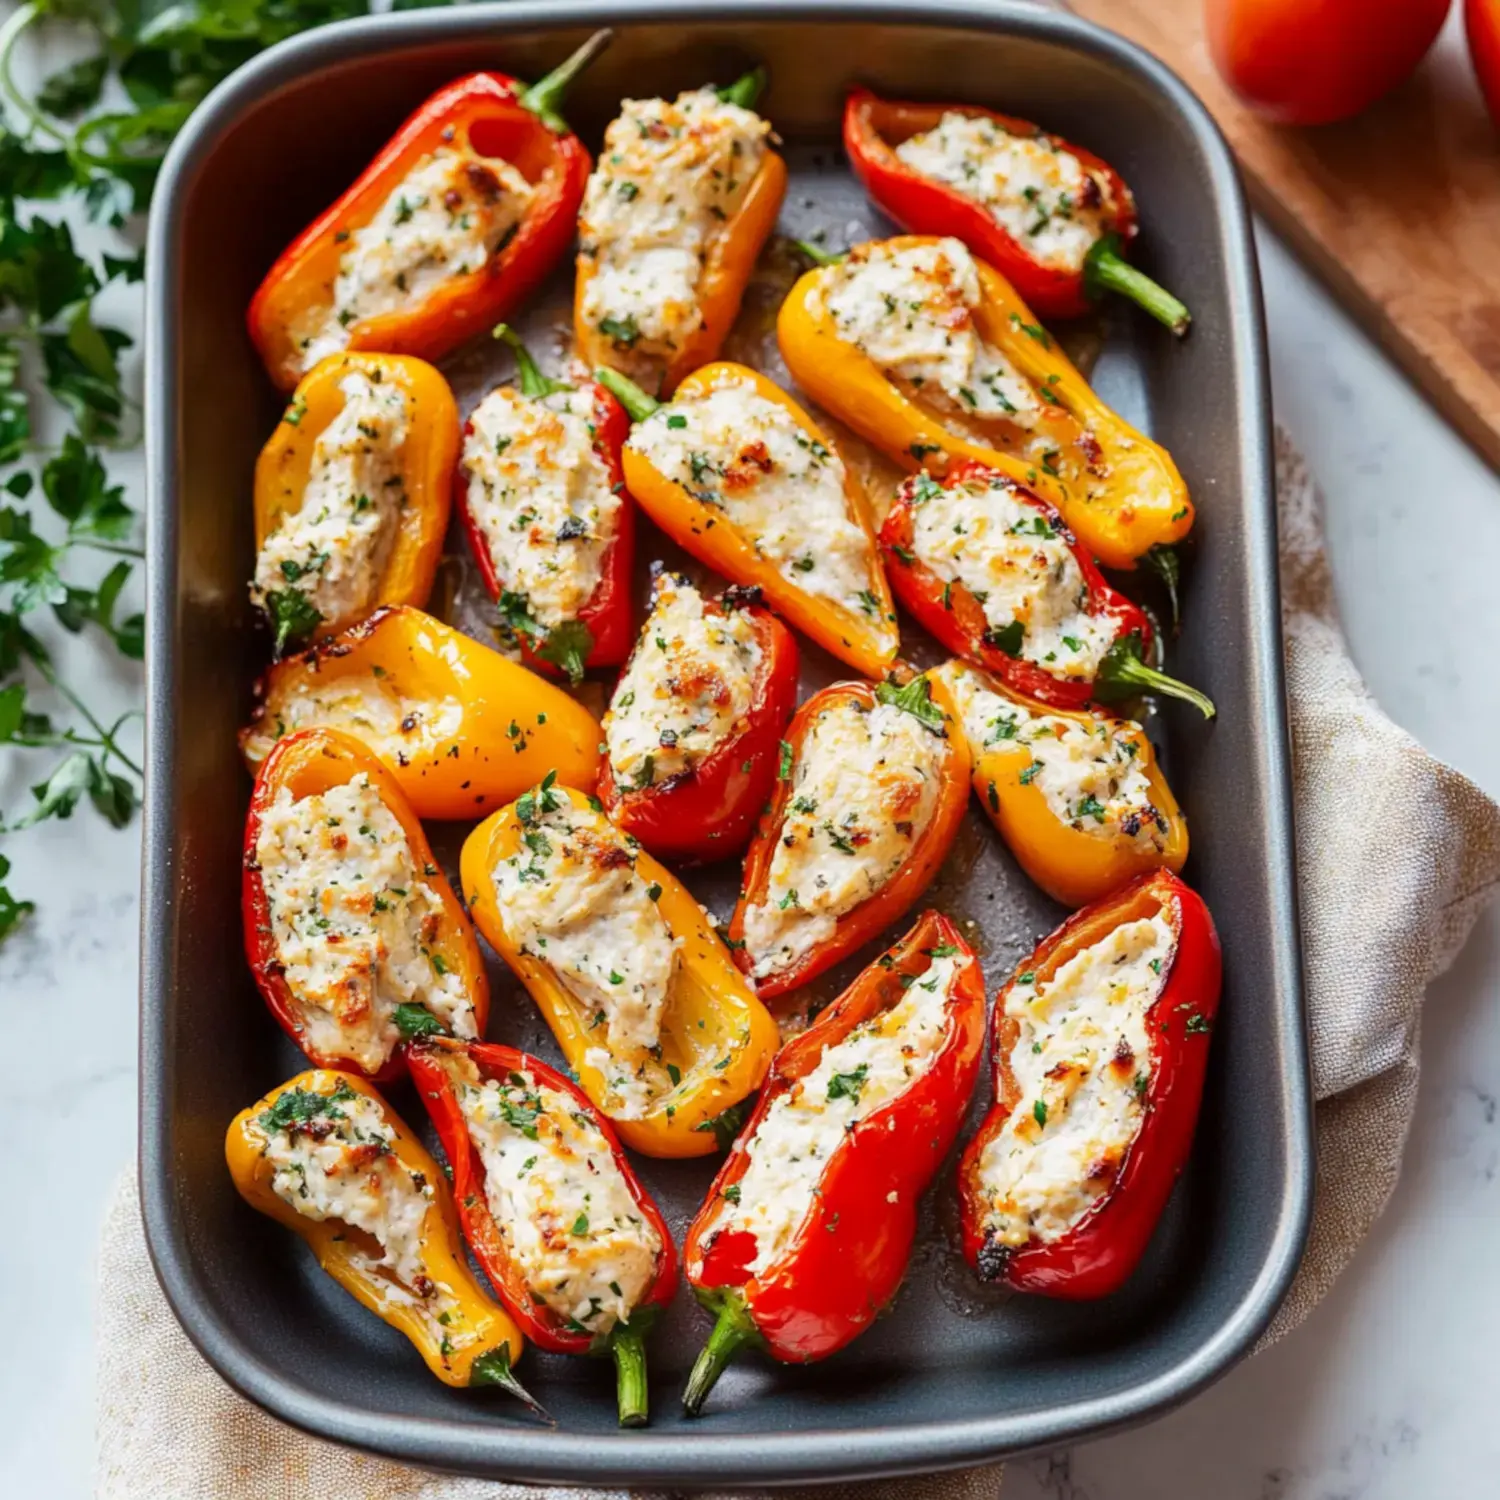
(951, 1376)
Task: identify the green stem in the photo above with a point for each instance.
(546, 94)
(534, 385)
(638, 405)
(733, 1330)
(1166, 563)
(746, 89)
(112, 547)
(106, 739)
(493, 1368)
(1122, 674)
(1107, 270)
(9, 35)
(817, 255)
(628, 1345)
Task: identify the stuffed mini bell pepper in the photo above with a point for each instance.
(648, 1008)
(1077, 795)
(460, 728)
(444, 234)
(929, 355)
(327, 1157)
(684, 195)
(1052, 217)
(551, 1208)
(735, 472)
(542, 499)
(809, 1225)
(354, 936)
(872, 786)
(693, 733)
(352, 494)
(1101, 1040)
(989, 567)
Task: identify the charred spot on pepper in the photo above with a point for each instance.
(992, 1260)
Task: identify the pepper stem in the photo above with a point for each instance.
(1106, 270)
(638, 405)
(493, 1368)
(546, 94)
(534, 385)
(734, 1329)
(746, 89)
(1164, 561)
(1122, 673)
(628, 1345)
(816, 254)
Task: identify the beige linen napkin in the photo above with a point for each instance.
(1387, 901)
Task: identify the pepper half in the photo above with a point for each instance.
(460, 728)
(311, 764)
(599, 635)
(716, 1038)
(1129, 1181)
(846, 1256)
(875, 127)
(726, 271)
(927, 701)
(432, 1064)
(952, 613)
(497, 126)
(1112, 815)
(1121, 492)
(465, 1338)
(707, 812)
(422, 485)
(865, 638)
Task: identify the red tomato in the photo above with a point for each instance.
(1309, 62)
(1482, 22)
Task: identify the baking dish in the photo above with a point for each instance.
(953, 1375)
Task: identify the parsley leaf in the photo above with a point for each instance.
(915, 699)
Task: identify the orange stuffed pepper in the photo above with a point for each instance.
(967, 372)
(446, 232)
(873, 784)
(651, 1014)
(1077, 795)
(460, 728)
(352, 494)
(685, 194)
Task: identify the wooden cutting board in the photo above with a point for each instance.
(1397, 210)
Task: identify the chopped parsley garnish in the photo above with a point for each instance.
(914, 699)
(848, 1085)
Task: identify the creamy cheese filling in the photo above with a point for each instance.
(981, 533)
(369, 705)
(353, 922)
(671, 175)
(1040, 193)
(559, 1198)
(571, 897)
(804, 1127)
(910, 309)
(1082, 1065)
(686, 689)
(445, 218)
(333, 1156)
(1089, 772)
(782, 490)
(864, 788)
(334, 547)
(542, 498)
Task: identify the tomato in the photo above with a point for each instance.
(1482, 22)
(1310, 62)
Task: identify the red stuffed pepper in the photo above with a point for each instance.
(991, 569)
(542, 498)
(450, 228)
(808, 1227)
(355, 938)
(1051, 216)
(551, 1208)
(692, 737)
(872, 785)
(1101, 1040)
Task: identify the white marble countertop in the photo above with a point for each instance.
(1382, 1395)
